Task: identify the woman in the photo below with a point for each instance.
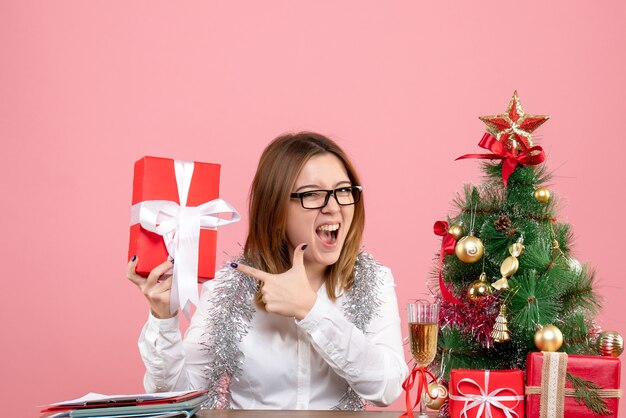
(303, 320)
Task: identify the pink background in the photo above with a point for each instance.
(88, 87)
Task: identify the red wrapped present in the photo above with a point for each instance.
(486, 393)
(176, 212)
(550, 379)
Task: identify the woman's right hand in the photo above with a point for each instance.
(156, 287)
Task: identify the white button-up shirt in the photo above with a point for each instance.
(287, 364)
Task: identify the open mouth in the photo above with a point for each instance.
(328, 233)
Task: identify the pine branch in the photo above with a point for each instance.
(533, 176)
(493, 210)
(581, 292)
(586, 392)
(464, 201)
(564, 236)
(533, 303)
(458, 350)
(497, 240)
(576, 336)
(536, 256)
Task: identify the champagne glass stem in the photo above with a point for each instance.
(423, 406)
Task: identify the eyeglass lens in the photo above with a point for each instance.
(319, 198)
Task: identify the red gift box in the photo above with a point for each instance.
(175, 212)
(486, 393)
(603, 371)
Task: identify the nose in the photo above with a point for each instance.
(332, 205)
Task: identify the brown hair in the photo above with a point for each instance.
(267, 246)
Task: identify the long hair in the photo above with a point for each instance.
(267, 246)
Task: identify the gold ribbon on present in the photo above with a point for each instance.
(569, 392)
(552, 389)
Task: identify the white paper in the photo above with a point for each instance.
(92, 397)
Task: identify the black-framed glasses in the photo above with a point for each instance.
(316, 199)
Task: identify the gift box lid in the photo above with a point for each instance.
(155, 179)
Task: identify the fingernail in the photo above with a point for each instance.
(234, 265)
(305, 246)
(134, 258)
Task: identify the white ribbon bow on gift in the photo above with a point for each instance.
(180, 227)
(485, 400)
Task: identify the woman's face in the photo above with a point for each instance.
(324, 229)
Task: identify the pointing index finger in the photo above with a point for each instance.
(251, 271)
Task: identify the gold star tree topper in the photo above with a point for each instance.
(513, 128)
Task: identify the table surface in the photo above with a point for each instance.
(302, 414)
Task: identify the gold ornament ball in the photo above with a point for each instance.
(542, 195)
(479, 289)
(441, 391)
(549, 338)
(457, 231)
(610, 344)
(469, 249)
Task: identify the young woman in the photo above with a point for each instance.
(304, 319)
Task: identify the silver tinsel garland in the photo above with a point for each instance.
(232, 308)
(360, 307)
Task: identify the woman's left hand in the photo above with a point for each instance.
(288, 293)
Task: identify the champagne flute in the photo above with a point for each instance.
(423, 319)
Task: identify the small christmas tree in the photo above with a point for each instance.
(506, 282)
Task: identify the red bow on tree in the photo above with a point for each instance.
(511, 158)
(447, 247)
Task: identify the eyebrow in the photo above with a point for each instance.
(316, 187)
